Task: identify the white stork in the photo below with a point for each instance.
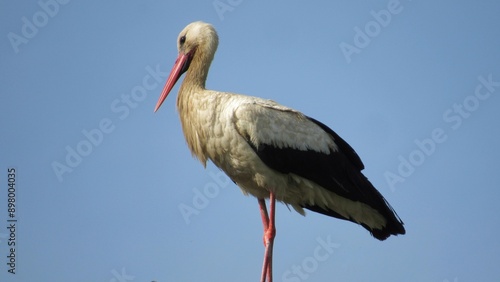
(271, 151)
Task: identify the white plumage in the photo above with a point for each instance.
(228, 120)
(271, 150)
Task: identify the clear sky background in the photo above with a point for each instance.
(101, 181)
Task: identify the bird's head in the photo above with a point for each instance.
(198, 41)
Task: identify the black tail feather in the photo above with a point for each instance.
(394, 225)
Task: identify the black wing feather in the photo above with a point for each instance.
(339, 172)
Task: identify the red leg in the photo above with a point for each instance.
(269, 234)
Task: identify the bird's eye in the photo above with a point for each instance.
(182, 39)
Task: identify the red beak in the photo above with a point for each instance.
(180, 66)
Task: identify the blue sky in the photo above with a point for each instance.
(101, 181)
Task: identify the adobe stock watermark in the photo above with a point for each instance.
(121, 276)
(454, 117)
(310, 264)
(201, 197)
(120, 109)
(363, 36)
(30, 27)
(223, 6)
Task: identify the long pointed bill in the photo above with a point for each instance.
(175, 73)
